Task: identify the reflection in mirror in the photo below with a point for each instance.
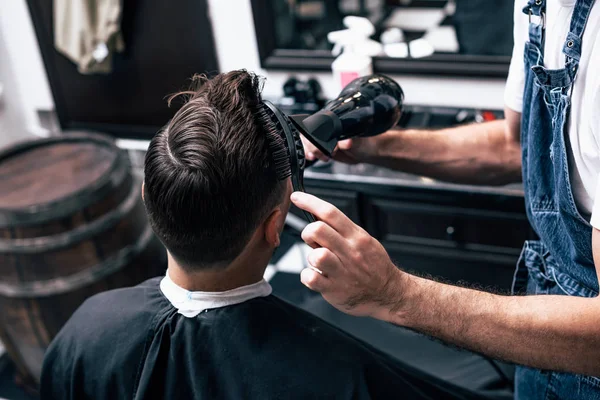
(406, 28)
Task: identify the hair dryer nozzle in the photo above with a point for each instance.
(322, 129)
(367, 106)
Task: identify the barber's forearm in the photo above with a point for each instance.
(472, 154)
(546, 332)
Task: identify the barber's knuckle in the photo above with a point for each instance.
(319, 228)
(360, 242)
(355, 255)
(311, 280)
(320, 256)
(330, 212)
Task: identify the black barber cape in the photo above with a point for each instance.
(133, 344)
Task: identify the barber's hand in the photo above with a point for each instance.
(358, 276)
(349, 151)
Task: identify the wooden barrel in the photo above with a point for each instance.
(72, 224)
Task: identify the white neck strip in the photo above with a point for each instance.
(189, 304)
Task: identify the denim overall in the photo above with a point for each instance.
(561, 262)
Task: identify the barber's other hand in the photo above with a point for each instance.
(358, 276)
(349, 151)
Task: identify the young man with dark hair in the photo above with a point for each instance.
(210, 328)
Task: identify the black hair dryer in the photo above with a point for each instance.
(367, 106)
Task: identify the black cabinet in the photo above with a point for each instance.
(396, 220)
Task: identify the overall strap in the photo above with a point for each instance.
(572, 46)
(536, 9)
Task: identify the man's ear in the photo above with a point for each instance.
(273, 226)
(143, 191)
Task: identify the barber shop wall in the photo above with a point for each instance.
(236, 48)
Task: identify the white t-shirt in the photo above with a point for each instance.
(584, 123)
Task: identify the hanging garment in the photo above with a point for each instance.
(88, 33)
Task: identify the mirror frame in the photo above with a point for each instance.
(273, 58)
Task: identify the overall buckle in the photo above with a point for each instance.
(541, 17)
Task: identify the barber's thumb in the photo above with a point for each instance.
(313, 280)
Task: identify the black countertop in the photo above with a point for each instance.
(370, 174)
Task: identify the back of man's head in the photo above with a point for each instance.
(209, 180)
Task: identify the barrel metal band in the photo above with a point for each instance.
(64, 284)
(66, 239)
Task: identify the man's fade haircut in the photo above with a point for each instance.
(209, 179)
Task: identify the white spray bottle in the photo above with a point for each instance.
(356, 50)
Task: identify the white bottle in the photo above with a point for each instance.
(356, 50)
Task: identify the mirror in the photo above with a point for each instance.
(442, 37)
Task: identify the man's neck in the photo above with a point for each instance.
(244, 270)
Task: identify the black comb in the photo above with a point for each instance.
(285, 146)
(278, 150)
